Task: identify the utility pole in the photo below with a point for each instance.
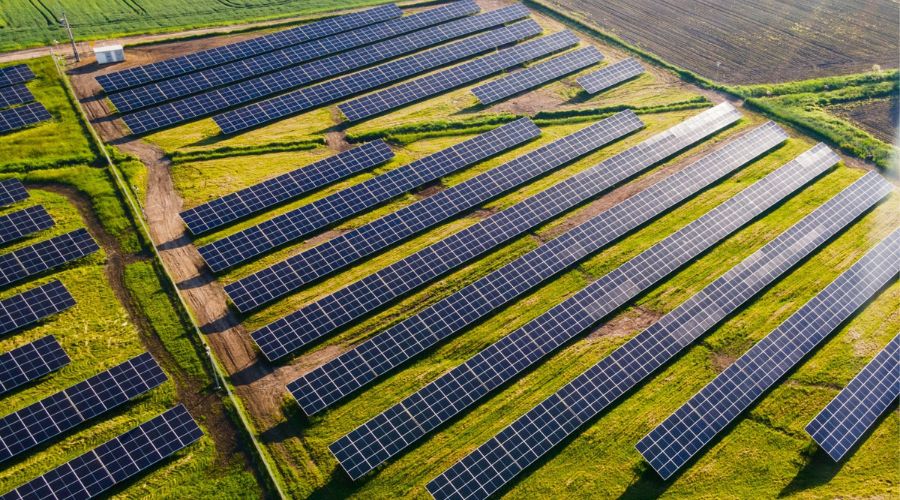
(65, 23)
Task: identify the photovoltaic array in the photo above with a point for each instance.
(285, 335)
(23, 223)
(192, 83)
(340, 252)
(613, 74)
(220, 55)
(212, 101)
(13, 95)
(431, 85)
(11, 191)
(30, 362)
(506, 455)
(272, 192)
(56, 414)
(23, 116)
(856, 408)
(34, 305)
(372, 78)
(348, 372)
(393, 430)
(302, 221)
(114, 461)
(537, 75)
(48, 254)
(11, 75)
(672, 444)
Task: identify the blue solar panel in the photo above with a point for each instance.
(11, 191)
(23, 223)
(53, 416)
(16, 94)
(681, 436)
(288, 227)
(333, 90)
(613, 74)
(193, 83)
(23, 116)
(350, 247)
(190, 108)
(267, 194)
(33, 305)
(30, 362)
(855, 409)
(29, 261)
(428, 86)
(546, 425)
(11, 75)
(234, 51)
(114, 461)
(348, 372)
(401, 425)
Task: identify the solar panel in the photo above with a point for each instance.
(671, 444)
(340, 252)
(433, 84)
(34, 305)
(23, 116)
(348, 372)
(390, 432)
(29, 261)
(537, 75)
(11, 191)
(190, 108)
(290, 226)
(116, 460)
(282, 336)
(333, 90)
(11, 75)
(507, 454)
(197, 61)
(30, 362)
(613, 74)
(267, 194)
(53, 416)
(16, 94)
(856, 408)
(23, 223)
(192, 83)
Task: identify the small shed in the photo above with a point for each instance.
(109, 54)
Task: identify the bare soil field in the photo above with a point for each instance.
(878, 117)
(754, 41)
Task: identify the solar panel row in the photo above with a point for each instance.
(855, 409)
(348, 372)
(11, 75)
(209, 102)
(23, 223)
(506, 455)
(537, 75)
(393, 430)
(285, 335)
(30, 362)
(53, 416)
(372, 78)
(114, 461)
(13, 95)
(29, 261)
(430, 85)
(220, 55)
(272, 192)
(613, 74)
(192, 83)
(672, 444)
(11, 191)
(34, 305)
(290, 226)
(23, 116)
(341, 251)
